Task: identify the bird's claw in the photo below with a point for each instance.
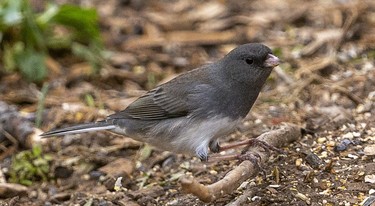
(254, 158)
(267, 147)
(214, 146)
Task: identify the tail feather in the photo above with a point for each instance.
(89, 127)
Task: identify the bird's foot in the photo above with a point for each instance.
(202, 152)
(252, 142)
(254, 158)
(217, 158)
(214, 146)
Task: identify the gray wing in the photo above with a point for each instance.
(179, 97)
(157, 104)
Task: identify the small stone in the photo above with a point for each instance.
(313, 160)
(256, 198)
(109, 183)
(324, 154)
(298, 162)
(33, 194)
(243, 185)
(341, 188)
(302, 197)
(360, 108)
(86, 177)
(369, 150)
(173, 202)
(321, 140)
(272, 190)
(118, 184)
(252, 184)
(348, 135)
(331, 143)
(213, 172)
(95, 175)
(352, 156)
(258, 121)
(60, 197)
(343, 145)
(325, 192)
(63, 172)
(370, 178)
(356, 134)
(119, 167)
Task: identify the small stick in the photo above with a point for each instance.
(242, 199)
(207, 193)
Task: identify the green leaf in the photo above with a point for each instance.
(89, 100)
(84, 21)
(31, 33)
(10, 52)
(145, 152)
(39, 112)
(8, 58)
(48, 157)
(92, 55)
(37, 151)
(26, 182)
(10, 12)
(31, 64)
(28, 166)
(27, 36)
(39, 162)
(60, 42)
(48, 14)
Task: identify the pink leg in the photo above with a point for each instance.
(216, 158)
(251, 142)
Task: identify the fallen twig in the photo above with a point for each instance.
(207, 193)
(16, 129)
(242, 198)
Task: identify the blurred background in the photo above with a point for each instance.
(67, 62)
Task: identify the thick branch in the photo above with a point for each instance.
(15, 128)
(207, 193)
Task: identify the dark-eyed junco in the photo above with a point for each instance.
(189, 113)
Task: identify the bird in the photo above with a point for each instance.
(189, 113)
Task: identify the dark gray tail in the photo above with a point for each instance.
(89, 127)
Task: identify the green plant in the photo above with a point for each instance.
(27, 37)
(29, 166)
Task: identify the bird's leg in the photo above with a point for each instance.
(251, 142)
(217, 158)
(214, 146)
(253, 157)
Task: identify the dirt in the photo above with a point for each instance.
(326, 85)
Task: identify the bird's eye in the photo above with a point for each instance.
(249, 61)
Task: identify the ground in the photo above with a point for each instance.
(325, 85)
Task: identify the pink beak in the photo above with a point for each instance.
(271, 61)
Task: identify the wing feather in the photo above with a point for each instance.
(176, 98)
(155, 105)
